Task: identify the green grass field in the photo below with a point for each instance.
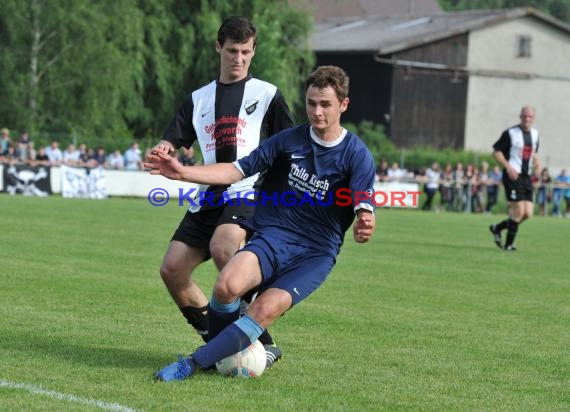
(429, 316)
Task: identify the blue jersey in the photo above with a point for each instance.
(312, 188)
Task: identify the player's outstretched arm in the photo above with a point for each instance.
(163, 164)
(364, 225)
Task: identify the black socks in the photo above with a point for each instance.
(512, 228)
(198, 319)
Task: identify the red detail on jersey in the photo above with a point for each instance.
(526, 152)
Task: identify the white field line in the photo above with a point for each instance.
(38, 390)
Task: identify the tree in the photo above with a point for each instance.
(108, 69)
(65, 64)
(282, 52)
(557, 8)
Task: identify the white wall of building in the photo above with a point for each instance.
(494, 102)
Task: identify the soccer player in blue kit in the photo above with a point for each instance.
(295, 242)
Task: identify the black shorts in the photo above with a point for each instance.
(196, 229)
(520, 189)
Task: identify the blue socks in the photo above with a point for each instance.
(221, 315)
(234, 338)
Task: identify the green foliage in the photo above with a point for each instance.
(75, 69)
(374, 136)
(287, 67)
(422, 157)
(557, 8)
(100, 69)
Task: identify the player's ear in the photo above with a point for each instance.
(218, 47)
(344, 104)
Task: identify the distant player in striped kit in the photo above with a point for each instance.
(516, 151)
(228, 117)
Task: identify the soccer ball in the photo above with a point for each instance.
(249, 363)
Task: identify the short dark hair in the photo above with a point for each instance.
(332, 76)
(237, 28)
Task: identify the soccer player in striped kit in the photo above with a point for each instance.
(229, 117)
(516, 151)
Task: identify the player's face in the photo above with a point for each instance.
(527, 118)
(324, 110)
(235, 59)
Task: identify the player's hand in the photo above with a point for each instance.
(512, 173)
(161, 163)
(164, 147)
(363, 226)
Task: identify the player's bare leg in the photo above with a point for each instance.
(176, 270)
(519, 212)
(227, 239)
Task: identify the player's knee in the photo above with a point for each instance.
(170, 274)
(526, 216)
(226, 290)
(165, 272)
(265, 312)
(221, 253)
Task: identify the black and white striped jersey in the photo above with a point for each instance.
(229, 121)
(518, 147)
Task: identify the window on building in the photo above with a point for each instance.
(523, 45)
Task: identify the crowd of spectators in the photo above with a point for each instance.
(451, 188)
(23, 150)
(469, 188)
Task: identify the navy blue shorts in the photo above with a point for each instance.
(297, 269)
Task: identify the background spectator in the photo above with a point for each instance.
(396, 174)
(187, 157)
(382, 171)
(32, 152)
(71, 156)
(5, 141)
(23, 147)
(133, 157)
(10, 155)
(558, 193)
(98, 158)
(41, 156)
(116, 160)
(567, 195)
(84, 154)
(458, 192)
(543, 191)
(53, 153)
(432, 177)
(494, 179)
(446, 188)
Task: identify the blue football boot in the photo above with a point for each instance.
(177, 371)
